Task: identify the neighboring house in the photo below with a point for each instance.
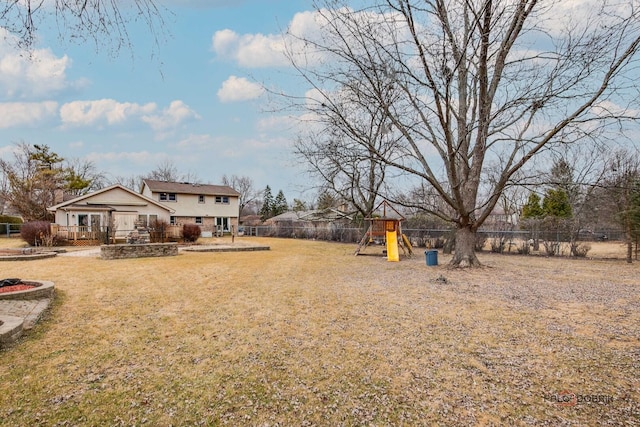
(311, 217)
(324, 224)
(116, 205)
(212, 207)
(498, 219)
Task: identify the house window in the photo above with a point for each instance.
(172, 220)
(222, 199)
(201, 198)
(168, 197)
(89, 221)
(145, 220)
(222, 224)
(198, 220)
(83, 220)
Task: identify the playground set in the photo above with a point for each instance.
(386, 227)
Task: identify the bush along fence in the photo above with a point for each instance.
(542, 241)
(548, 242)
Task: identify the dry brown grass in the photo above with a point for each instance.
(308, 334)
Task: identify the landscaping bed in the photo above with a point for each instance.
(26, 290)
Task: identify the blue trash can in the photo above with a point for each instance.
(432, 257)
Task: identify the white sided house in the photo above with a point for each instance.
(215, 208)
(85, 217)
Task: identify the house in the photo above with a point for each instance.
(116, 206)
(324, 224)
(215, 208)
(311, 217)
(499, 219)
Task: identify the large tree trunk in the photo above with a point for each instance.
(465, 252)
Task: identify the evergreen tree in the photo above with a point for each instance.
(299, 205)
(280, 205)
(556, 204)
(266, 211)
(532, 208)
(326, 200)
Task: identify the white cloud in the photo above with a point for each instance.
(609, 108)
(31, 76)
(250, 50)
(101, 112)
(108, 112)
(171, 117)
(557, 17)
(225, 42)
(239, 89)
(14, 114)
(271, 50)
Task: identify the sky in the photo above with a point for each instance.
(195, 99)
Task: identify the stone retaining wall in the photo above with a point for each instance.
(45, 290)
(138, 251)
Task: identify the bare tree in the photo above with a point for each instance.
(623, 187)
(244, 186)
(168, 171)
(473, 82)
(105, 22)
(82, 177)
(341, 150)
(133, 182)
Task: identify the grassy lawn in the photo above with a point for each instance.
(308, 334)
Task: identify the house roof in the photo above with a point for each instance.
(385, 211)
(328, 214)
(189, 188)
(107, 205)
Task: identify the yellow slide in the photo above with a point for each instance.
(392, 246)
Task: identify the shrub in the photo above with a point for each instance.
(158, 232)
(551, 248)
(37, 233)
(524, 248)
(580, 249)
(497, 245)
(191, 232)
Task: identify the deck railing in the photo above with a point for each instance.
(76, 233)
